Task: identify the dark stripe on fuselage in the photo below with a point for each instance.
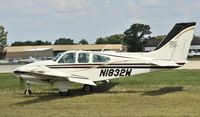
(102, 64)
(105, 64)
(153, 67)
(121, 65)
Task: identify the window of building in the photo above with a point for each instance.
(83, 57)
(68, 58)
(100, 58)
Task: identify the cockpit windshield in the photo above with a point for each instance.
(68, 58)
(57, 56)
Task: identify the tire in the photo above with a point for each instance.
(27, 92)
(106, 82)
(65, 93)
(87, 88)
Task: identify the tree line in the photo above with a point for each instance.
(134, 38)
(60, 41)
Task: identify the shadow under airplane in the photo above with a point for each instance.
(163, 91)
(42, 97)
(102, 88)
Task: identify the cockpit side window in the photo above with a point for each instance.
(83, 57)
(68, 58)
(100, 58)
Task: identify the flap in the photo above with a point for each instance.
(82, 81)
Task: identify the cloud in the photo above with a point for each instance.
(149, 2)
(69, 5)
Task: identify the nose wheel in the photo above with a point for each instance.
(28, 91)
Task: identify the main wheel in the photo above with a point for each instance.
(27, 92)
(87, 88)
(106, 82)
(64, 93)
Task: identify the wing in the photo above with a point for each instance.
(44, 73)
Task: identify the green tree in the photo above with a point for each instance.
(196, 37)
(100, 40)
(134, 37)
(83, 42)
(64, 41)
(47, 43)
(114, 39)
(17, 43)
(160, 37)
(3, 36)
(28, 43)
(40, 42)
(31, 43)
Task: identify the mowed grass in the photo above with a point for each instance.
(170, 93)
(194, 58)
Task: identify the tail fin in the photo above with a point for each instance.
(176, 44)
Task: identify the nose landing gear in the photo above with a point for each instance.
(28, 91)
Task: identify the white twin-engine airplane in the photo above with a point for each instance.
(87, 67)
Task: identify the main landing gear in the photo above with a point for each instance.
(64, 93)
(28, 91)
(87, 88)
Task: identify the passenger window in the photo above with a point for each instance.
(68, 58)
(83, 57)
(100, 58)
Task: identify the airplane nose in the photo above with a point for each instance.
(18, 71)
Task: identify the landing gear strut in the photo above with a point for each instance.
(28, 91)
(106, 82)
(87, 88)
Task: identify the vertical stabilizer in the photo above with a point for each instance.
(176, 44)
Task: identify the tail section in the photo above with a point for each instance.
(176, 44)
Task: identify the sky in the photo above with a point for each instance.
(49, 20)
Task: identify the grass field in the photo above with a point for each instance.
(171, 93)
(194, 58)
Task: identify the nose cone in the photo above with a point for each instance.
(25, 68)
(19, 70)
(32, 67)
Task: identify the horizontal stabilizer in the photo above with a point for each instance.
(164, 63)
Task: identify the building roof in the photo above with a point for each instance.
(65, 47)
